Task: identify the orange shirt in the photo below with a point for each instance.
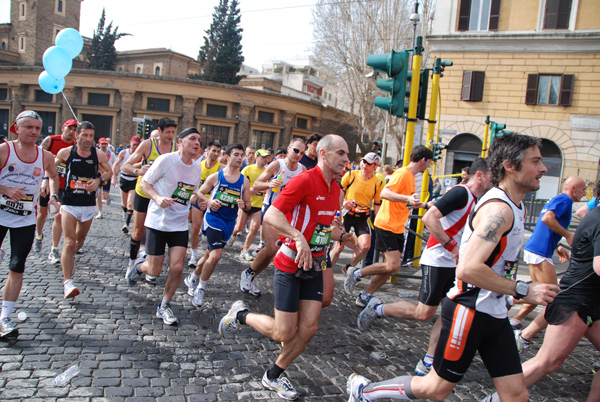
(392, 215)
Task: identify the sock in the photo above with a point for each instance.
(134, 249)
(194, 253)
(193, 276)
(379, 310)
(514, 322)
(241, 317)
(274, 372)
(428, 359)
(364, 296)
(68, 281)
(357, 275)
(396, 388)
(250, 272)
(38, 237)
(165, 303)
(128, 218)
(244, 249)
(7, 309)
(202, 284)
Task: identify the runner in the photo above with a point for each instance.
(103, 193)
(126, 181)
(172, 184)
(82, 179)
(309, 159)
(23, 167)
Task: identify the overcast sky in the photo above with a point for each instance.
(273, 29)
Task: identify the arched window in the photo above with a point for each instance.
(138, 70)
(157, 70)
(3, 45)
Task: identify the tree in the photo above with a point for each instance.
(102, 54)
(221, 55)
(345, 33)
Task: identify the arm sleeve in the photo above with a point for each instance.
(456, 198)
(591, 204)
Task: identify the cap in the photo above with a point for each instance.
(261, 152)
(136, 139)
(281, 151)
(23, 115)
(70, 122)
(371, 157)
(102, 141)
(188, 131)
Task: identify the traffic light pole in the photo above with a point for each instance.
(486, 133)
(414, 99)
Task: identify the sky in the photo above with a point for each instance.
(273, 29)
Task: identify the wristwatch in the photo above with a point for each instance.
(55, 196)
(341, 236)
(521, 290)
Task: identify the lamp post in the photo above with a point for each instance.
(414, 17)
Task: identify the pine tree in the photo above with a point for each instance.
(221, 55)
(102, 54)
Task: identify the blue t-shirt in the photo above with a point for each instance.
(591, 204)
(544, 241)
(224, 218)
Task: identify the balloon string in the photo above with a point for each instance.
(68, 104)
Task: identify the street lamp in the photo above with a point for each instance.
(414, 17)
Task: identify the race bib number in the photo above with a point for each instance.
(227, 197)
(320, 238)
(22, 207)
(183, 193)
(79, 184)
(61, 168)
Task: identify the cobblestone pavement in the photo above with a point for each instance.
(126, 354)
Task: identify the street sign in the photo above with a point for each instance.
(138, 119)
(147, 118)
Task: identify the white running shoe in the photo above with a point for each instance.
(281, 385)
(100, 215)
(247, 256)
(167, 315)
(191, 284)
(356, 383)
(70, 291)
(7, 328)
(198, 299)
(37, 244)
(246, 280)
(150, 279)
(254, 290)
(422, 368)
(231, 241)
(54, 256)
(193, 261)
(229, 323)
(350, 282)
(522, 344)
(368, 315)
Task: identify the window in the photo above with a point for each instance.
(557, 14)
(162, 105)
(479, 15)
(262, 139)
(472, 86)
(157, 70)
(211, 133)
(60, 7)
(96, 99)
(22, 44)
(266, 117)
(22, 10)
(3, 47)
(302, 123)
(42, 96)
(216, 110)
(3, 93)
(547, 89)
(138, 68)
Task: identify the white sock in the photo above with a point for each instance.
(193, 276)
(68, 281)
(194, 253)
(428, 360)
(7, 309)
(202, 284)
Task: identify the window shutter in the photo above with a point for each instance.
(532, 89)
(466, 86)
(494, 15)
(463, 15)
(566, 90)
(477, 86)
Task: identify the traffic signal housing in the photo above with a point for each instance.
(497, 130)
(437, 151)
(140, 129)
(422, 99)
(395, 65)
(147, 131)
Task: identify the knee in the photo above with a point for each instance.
(176, 268)
(69, 243)
(284, 334)
(390, 267)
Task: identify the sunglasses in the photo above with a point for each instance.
(367, 163)
(296, 150)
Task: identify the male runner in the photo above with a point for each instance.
(475, 316)
(287, 168)
(172, 184)
(309, 159)
(362, 188)
(445, 222)
(126, 181)
(23, 167)
(389, 224)
(104, 190)
(303, 215)
(229, 190)
(54, 143)
(250, 159)
(147, 152)
(83, 178)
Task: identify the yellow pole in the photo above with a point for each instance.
(484, 145)
(414, 100)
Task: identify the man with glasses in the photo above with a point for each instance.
(273, 180)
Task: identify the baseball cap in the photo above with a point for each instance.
(70, 122)
(102, 141)
(261, 152)
(371, 157)
(23, 115)
(136, 139)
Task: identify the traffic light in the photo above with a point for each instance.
(395, 65)
(422, 99)
(147, 131)
(497, 130)
(140, 130)
(437, 151)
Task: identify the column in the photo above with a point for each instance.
(125, 127)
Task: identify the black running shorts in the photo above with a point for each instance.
(140, 204)
(360, 223)
(288, 290)
(435, 284)
(156, 240)
(389, 241)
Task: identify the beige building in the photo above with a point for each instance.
(532, 65)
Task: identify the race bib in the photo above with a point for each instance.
(183, 193)
(320, 238)
(228, 197)
(79, 184)
(22, 207)
(61, 168)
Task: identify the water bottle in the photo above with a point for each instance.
(280, 178)
(65, 377)
(406, 293)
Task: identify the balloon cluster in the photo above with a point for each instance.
(58, 60)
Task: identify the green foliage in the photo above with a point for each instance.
(102, 54)
(221, 55)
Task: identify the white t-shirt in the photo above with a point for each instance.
(172, 178)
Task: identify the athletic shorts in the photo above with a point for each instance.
(531, 258)
(21, 240)
(359, 223)
(437, 281)
(106, 187)
(289, 290)
(252, 211)
(263, 211)
(156, 240)
(214, 238)
(557, 313)
(126, 185)
(82, 214)
(140, 204)
(389, 241)
(472, 331)
(44, 200)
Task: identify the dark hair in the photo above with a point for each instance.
(84, 125)
(479, 165)
(165, 122)
(214, 144)
(509, 148)
(231, 147)
(281, 151)
(312, 138)
(419, 152)
(466, 169)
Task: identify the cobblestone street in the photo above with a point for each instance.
(125, 353)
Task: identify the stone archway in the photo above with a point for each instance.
(462, 150)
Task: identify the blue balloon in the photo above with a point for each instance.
(70, 39)
(57, 62)
(50, 84)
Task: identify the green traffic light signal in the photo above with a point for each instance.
(437, 151)
(147, 131)
(497, 130)
(395, 65)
